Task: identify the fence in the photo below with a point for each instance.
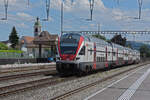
(12, 54)
(17, 56)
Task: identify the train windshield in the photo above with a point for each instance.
(69, 43)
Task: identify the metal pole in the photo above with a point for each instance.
(62, 15)
(99, 28)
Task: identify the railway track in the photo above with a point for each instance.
(23, 69)
(36, 84)
(65, 95)
(28, 74)
(25, 86)
(15, 88)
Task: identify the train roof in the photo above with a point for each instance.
(91, 38)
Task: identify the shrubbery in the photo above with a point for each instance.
(3, 46)
(145, 51)
(12, 51)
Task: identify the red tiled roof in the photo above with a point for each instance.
(27, 39)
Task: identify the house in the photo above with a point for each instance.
(6, 43)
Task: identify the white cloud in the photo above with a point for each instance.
(14, 5)
(22, 25)
(24, 16)
(77, 5)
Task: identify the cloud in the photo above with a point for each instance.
(75, 15)
(76, 5)
(14, 5)
(25, 16)
(22, 25)
(112, 19)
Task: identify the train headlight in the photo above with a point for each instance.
(58, 58)
(77, 58)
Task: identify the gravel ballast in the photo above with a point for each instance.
(47, 93)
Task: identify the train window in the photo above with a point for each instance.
(97, 59)
(82, 52)
(109, 53)
(91, 51)
(114, 54)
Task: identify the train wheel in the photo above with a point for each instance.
(87, 69)
(80, 73)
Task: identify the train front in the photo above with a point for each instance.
(68, 48)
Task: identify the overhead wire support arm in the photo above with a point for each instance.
(47, 10)
(6, 9)
(118, 2)
(140, 2)
(72, 2)
(91, 9)
(28, 2)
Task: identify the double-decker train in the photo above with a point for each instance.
(81, 53)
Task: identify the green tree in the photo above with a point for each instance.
(129, 45)
(13, 38)
(145, 51)
(119, 40)
(3, 46)
(99, 36)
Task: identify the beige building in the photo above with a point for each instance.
(42, 45)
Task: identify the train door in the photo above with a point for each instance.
(109, 50)
(114, 53)
(89, 52)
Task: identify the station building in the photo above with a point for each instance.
(41, 45)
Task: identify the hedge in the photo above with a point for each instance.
(12, 51)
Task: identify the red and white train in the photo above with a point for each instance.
(79, 53)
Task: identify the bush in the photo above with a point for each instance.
(145, 51)
(12, 51)
(99, 37)
(3, 46)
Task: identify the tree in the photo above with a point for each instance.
(3, 46)
(129, 45)
(119, 40)
(99, 36)
(13, 38)
(145, 51)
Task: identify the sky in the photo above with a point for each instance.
(108, 13)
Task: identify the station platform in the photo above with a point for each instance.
(135, 86)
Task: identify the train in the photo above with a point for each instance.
(82, 53)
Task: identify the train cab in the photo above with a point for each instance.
(71, 49)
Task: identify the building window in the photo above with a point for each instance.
(36, 29)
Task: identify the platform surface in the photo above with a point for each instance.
(135, 86)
